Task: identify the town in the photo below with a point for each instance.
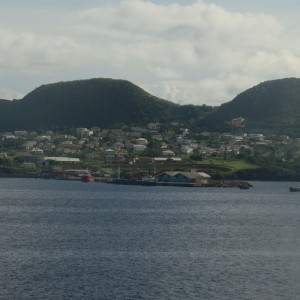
(142, 151)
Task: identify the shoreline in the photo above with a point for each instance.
(214, 183)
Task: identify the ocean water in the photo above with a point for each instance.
(74, 240)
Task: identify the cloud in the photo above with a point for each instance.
(159, 72)
(9, 94)
(209, 91)
(193, 53)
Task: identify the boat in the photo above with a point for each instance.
(294, 189)
(133, 182)
(87, 178)
(146, 181)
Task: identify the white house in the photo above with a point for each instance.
(168, 153)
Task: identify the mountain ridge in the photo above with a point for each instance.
(105, 102)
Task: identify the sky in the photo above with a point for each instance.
(186, 51)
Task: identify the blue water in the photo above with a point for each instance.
(73, 240)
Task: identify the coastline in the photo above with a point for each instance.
(213, 183)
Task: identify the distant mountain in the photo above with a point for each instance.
(273, 105)
(94, 102)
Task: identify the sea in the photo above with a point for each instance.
(74, 240)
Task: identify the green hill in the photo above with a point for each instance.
(93, 102)
(272, 105)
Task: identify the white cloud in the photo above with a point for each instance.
(209, 91)
(9, 94)
(159, 72)
(194, 53)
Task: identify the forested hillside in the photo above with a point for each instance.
(272, 105)
(94, 102)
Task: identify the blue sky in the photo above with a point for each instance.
(189, 52)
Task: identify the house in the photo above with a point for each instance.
(41, 138)
(153, 126)
(29, 144)
(141, 141)
(106, 173)
(256, 136)
(187, 150)
(48, 146)
(83, 132)
(135, 134)
(37, 151)
(184, 177)
(20, 133)
(166, 159)
(116, 132)
(180, 139)
(96, 130)
(9, 136)
(238, 122)
(118, 145)
(3, 154)
(157, 137)
(138, 147)
(110, 153)
(185, 131)
(145, 159)
(62, 159)
(168, 153)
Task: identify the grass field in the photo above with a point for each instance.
(230, 166)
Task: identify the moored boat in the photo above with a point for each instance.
(87, 178)
(133, 182)
(294, 189)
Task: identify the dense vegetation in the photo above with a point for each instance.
(272, 105)
(94, 102)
